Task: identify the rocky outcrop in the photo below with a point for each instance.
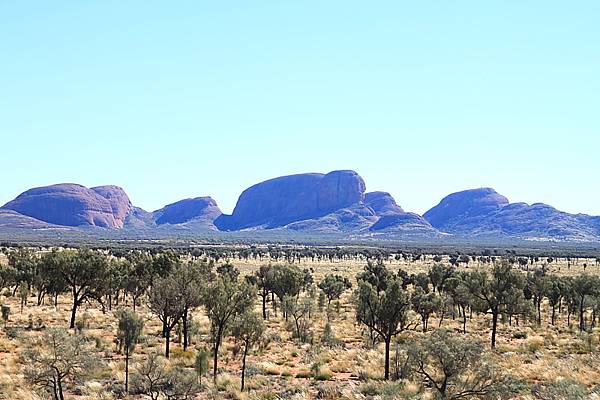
(485, 213)
(382, 203)
(393, 219)
(332, 204)
(183, 211)
(117, 198)
(13, 220)
(284, 200)
(70, 204)
(469, 205)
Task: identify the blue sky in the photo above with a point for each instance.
(206, 98)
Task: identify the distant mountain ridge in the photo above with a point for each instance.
(484, 212)
(335, 204)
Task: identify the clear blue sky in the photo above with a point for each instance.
(178, 99)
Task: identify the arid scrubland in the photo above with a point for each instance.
(311, 345)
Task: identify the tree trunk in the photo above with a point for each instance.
(264, 305)
(387, 357)
(60, 390)
(126, 373)
(54, 390)
(244, 365)
(581, 319)
(184, 321)
(494, 326)
(167, 342)
(73, 314)
(216, 355)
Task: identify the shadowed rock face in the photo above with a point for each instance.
(70, 204)
(382, 203)
(281, 201)
(187, 210)
(471, 205)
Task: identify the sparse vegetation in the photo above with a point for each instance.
(211, 301)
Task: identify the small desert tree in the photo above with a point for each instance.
(225, 299)
(425, 304)
(287, 280)
(5, 313)
(584, 286)
(438, 274)
(454, 367)
(299, 310)
(129, 331)
(201, 363)
(536, 288)
(263, 279)
(189, 282)
(23, 294)
(166, 302)
(493, 293)
(85, 273)
(151, 376)
(334, 286)
(376, 274)
(458, 291)
(248, 329)
(58, 361)
(385, 310)
(555, 293)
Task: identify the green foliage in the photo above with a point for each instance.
(5, 312)
(167, 303)
(497, 293)
(562, 389)
(334, 286)
(129, 329)
(287, 280)
(225, 299)
(300, 311)
(57, 362)
(454, 368)
(438, 274)
(425, 304)
(201, 362)
(376, 275)
(329, 339)
(384, 311)
(156, 378)
(248, 329)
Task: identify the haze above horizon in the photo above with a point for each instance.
(208, 98)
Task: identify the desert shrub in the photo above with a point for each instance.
(320, 373)
(363, 375)
(519, 335)
(535, 345)
(5, 313)
(454, 367)
(304, 374)
(561, 389)
(392, 390)
(12, 332)
(329, 339)
(329, 392)
(370, 389)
